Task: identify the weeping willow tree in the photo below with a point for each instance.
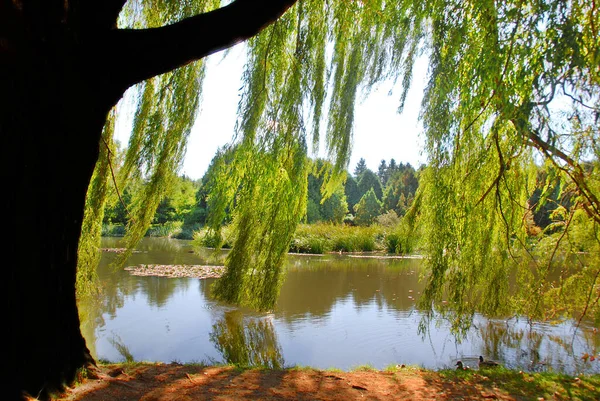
(512, 90)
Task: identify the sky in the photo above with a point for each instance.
(379, 131)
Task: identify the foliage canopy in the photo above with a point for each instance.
(513, 88)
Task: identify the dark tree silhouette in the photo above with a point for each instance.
(63, 66)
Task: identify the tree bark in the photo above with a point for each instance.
(139, 54)
(62, 68)
(51, 144)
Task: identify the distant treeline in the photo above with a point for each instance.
(365, 198)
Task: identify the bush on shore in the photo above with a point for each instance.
(315, 238)
(322, 238)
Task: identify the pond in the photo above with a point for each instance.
(334, 311)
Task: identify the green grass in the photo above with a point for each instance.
(394, 367)
(301, 368)
(318, 238)
(363, 368)
(168, 229)
(321, 238)
(523, 385)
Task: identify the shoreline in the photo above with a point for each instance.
(162, 382)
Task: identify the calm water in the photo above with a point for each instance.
(333, 311)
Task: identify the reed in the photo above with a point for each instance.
(321, 238)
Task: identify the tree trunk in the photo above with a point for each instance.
(51, 120)
(63, 65)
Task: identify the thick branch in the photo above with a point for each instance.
(97, 15)
(144, 53)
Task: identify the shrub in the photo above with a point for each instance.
(167, 229)
(367, 209)
(187, 231)
(388, 219)
(210, 239)
(308, 245)
(320, 238)
(399, 241)
(113, 230)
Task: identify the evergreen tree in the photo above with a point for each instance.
(391, 170)
(382, 173)
(410, 182)
(352, 192)
(369, 180)
(391, 198)
(330, 208)
(313, 213)
(393, 167)
(360, 168)
(334, 208)
(367, 209)
(401, 189)
(402, 205)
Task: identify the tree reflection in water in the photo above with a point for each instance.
(247, 341)
(536, 348)
(122, 349)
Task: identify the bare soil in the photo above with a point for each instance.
(169, 382)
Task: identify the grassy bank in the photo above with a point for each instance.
(173, 229)
(322, 238)
(315, 238)
(197, 381)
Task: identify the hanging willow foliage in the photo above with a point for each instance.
(88, 252)
(511, 105)
(166, 109)
(510, 83)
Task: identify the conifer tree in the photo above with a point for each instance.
(369, 180)
(360, 168)
(367, 209)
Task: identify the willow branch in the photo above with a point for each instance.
(112, 172)
(587, 303)
(592, 207)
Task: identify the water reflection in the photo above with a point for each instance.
(122, 349)
(247, 341)
(537, 347)
(312, 286)
(333, 311)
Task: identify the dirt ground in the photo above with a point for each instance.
(169, 382)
